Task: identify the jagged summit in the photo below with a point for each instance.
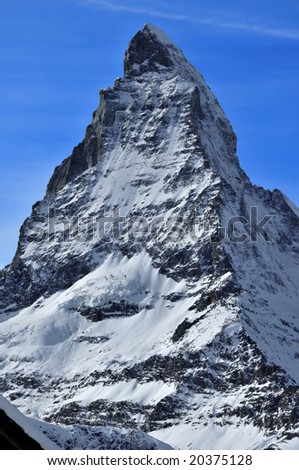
(151, 50)
(154, 286)
(157, 75)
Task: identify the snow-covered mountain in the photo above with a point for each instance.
(17, 432)
(155, 287)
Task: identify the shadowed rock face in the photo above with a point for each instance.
(84, 156)
(13, 437)
(146, 53)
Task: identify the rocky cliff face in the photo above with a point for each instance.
(155, 287)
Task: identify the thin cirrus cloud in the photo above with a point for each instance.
(287, 33)
(135, 10)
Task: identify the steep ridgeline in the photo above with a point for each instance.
(154, 287)
(17, 432)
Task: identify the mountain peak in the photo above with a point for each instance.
(151, 50)
(154, 283)
(150, 29)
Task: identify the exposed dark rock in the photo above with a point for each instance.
(13, 437)
(183, 327)
(146, 53)
(84, 156)
(111, 309)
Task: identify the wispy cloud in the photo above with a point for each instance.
(255, 28)
(135, 10)
(286, 33)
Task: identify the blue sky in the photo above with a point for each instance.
(55, 55)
